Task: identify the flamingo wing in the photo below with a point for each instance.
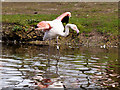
(64, 17)
(43, 25)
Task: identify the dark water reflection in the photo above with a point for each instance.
(74, 67)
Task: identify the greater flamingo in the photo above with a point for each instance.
(55, 28)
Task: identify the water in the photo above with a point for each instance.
(38, 66)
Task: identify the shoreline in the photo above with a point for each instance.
(46, 43)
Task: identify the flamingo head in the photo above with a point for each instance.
(74, 27)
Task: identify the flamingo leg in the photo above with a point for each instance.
(57, 58)
(49, 46)
(49, 55)
(57, 43)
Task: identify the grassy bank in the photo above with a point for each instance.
(96, 21)
(103, 24)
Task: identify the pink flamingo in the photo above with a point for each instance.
(55, 28)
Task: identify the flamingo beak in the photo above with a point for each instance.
(77, 30)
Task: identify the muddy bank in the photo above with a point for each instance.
(11, 32)
(32, 36)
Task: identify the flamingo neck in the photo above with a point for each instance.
(66, 30)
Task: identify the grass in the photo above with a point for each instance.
(89, 17)
(103, 24)
(101, 17)
(23, 19)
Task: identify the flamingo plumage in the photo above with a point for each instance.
(55, 28)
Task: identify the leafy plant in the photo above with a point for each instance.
(26, 29)
(16, 28)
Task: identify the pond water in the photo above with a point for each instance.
(39, 66)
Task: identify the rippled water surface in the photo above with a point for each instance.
(70, 66)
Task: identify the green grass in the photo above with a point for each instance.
(103, 24)
(101, 17)
(23, 19)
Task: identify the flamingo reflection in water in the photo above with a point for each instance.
(50, 79)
